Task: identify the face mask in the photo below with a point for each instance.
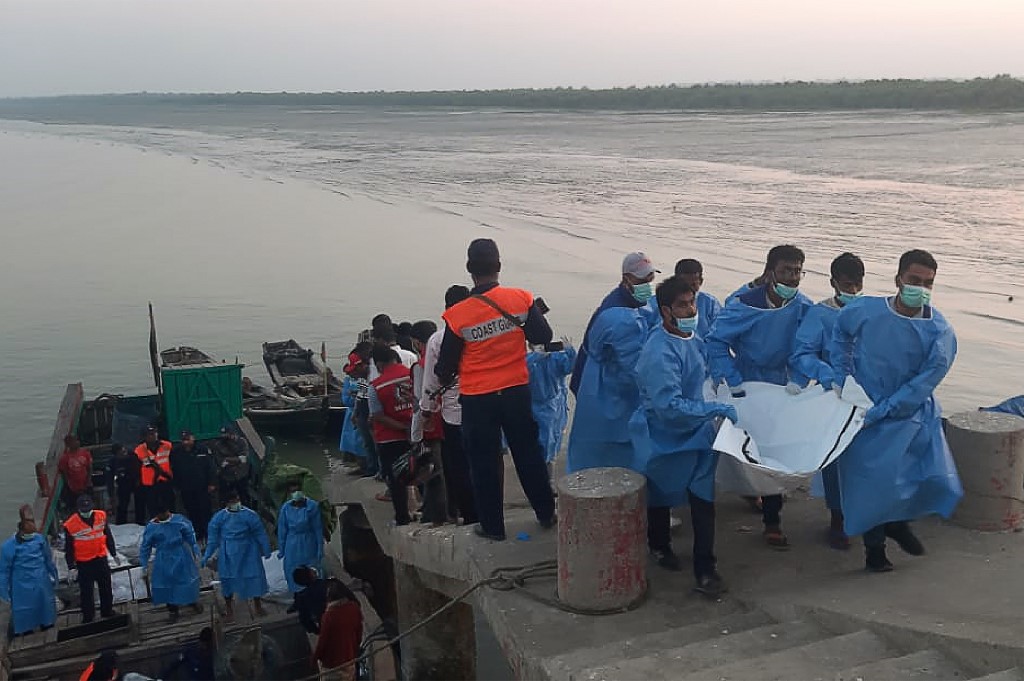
(643, 292)
(297, 496)
(235, 507)
(915, 296)
(786, 292)
(30, 536)
(85, 514)
(687, 324)
(847, 298)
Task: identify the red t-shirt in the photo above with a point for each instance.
(341, 631)
(74, 466)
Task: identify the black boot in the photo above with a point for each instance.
(876, 560)
(900, 533)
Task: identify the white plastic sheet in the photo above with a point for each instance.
(128, 539)
(275, 574)
(781, 440)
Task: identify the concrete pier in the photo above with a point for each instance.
(989, 452)
(602, 539)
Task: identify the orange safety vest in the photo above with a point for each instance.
(494, 356)
(162, 456)
(90, 541)
(88, 672)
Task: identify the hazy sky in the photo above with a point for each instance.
(85, 46)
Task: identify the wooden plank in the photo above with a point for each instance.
(67, 418)
(255, 441)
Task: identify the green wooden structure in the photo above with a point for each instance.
(201, 398)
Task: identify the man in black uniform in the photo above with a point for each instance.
(232, 456)
(195, 476)
(122, 476)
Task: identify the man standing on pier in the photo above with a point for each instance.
(485, 345)
(154, 456)
(195, 475)
(87, 544)
(898, 468)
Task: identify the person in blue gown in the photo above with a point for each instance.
(27, 579)
(761, 279)
(549, 366)
(692, 272)
(810, 362)
(633, 292)
(300, 534)
(674, 430)
(899, 466)
(174, 576)
(238, 539)
(608, 393)
(351, 442)
(752, 340)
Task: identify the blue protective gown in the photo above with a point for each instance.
(746, 288)
(708, 309)
(750, 342)
(810, 358)
(549, 396)
(899, 466)
(241, 542)
(300, 538)
(608, 393)
(1014, 405)
(620, 296)
(351, 441)
(174, 578)
(673, 430)
(27, 580)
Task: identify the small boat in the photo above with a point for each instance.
(305, 398)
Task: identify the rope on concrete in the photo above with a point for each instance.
(500, 579)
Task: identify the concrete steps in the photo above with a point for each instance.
(1015, 674)
(924, 665)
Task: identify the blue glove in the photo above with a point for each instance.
(727, 411)
(876, 414)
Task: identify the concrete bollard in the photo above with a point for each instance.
(989, 452)
(602, 538)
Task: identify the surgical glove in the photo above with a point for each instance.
(737, 391)
(73, 575)
(875, 414)
(793, 388)
(727, 411)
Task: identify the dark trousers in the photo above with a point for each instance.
(361, 418)
(142, 495)
(830, 481)
(771, 509)
(702, 519)
(456, 476)
(875, 537)
(95, 572)
(125, 492)
(435, 505)
(484, 419)
(198, 510)
(389, 453)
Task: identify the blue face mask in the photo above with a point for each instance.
(687, 324)
(643, 292)
(235, 507)
(847, 298)
(297, 496)
(915, 296)
(786, 292)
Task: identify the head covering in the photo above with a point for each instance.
(186, 434)
(483, 250)
(354, 362)
(638, 265)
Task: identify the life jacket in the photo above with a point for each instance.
(162, 456)
(90, 541)
(88, 672)
(494, 356)
(394, 391)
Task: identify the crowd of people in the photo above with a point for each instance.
(434, 409)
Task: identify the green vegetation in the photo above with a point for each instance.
(1001, 93)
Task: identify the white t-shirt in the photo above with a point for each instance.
(406, 357)
(451, 410)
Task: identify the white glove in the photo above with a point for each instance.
(73, 575)
(793, 388)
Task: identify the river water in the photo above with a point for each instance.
(245, 224)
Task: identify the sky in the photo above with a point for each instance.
(95, 46)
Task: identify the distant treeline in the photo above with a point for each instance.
(1001, 93)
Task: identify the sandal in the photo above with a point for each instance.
(776, 539)
(384, 496)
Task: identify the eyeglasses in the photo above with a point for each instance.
(792, 272)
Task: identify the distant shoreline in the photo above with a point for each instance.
(1001, 93)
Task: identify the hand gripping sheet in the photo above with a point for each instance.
(781, 439)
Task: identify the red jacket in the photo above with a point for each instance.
(394, 392)
(341, 632)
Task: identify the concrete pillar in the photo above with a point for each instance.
(989, 452)
(445, 649)
(602, 538)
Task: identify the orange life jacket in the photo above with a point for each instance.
(162, 456)
(88, 672)
(494, 356)
(90, 541)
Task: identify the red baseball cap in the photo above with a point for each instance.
(354, 361)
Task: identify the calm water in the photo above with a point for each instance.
(247, 224)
